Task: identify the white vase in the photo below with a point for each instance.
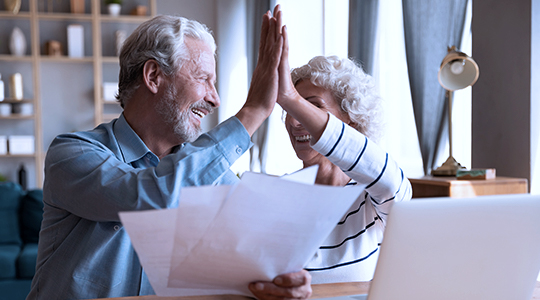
(114, 9)
(17, 42)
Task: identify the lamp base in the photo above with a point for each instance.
(449, 168)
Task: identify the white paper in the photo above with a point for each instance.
(221, 238)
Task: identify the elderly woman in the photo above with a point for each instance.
(332, 120)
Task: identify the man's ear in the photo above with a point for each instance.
(153, 76)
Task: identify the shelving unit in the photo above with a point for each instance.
(40, 23)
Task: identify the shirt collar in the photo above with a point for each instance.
(130, 144)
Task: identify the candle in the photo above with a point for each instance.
(16, 86)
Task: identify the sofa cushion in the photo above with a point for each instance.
(8, 261)
(31, 215)
(26, 264)
(10, 194)
(15, 289)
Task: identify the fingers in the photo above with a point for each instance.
(264, 31)
(295, 285)
(279, 18)
(284, 62)
(268, 290)
(293, 279)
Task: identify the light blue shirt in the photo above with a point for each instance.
(90, 176)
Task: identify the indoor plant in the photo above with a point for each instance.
(114, 6)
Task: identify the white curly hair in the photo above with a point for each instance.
(352, 88)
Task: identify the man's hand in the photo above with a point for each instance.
(262, 93)
(286, 286)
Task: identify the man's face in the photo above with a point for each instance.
(191, 94)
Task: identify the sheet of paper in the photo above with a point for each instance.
(307, 175)
(152, 235)
(223, 238)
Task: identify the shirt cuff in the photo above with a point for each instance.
(232, 137)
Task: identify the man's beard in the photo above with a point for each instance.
(169, 109)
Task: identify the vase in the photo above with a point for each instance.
(17, 42)
(114, 9)
(12, 6)
(77, 6)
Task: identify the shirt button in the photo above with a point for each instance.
(116, 227)
(238, 150)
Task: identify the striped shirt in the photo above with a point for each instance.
(351, 250)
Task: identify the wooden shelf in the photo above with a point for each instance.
(36, 23)
(124, 18)
(64, 16)
(16, 101)
(8, 57)
(66, 59)
(9, 15)
(17, 155)
(110, 59)
(18, 117)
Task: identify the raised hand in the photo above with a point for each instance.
(312, 118)
(263, 91)
(287, 93)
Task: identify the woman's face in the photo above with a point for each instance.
(325, 101)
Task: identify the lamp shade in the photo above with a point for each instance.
(457, 70)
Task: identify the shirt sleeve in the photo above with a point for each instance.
(366, 163)
(88, 179)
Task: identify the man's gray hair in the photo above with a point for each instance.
(162, 39)
(354, 90)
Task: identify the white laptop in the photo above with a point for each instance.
(487, 247)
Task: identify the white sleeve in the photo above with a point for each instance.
(365, 162)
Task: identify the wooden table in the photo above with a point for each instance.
(443, 186)
(319, 291)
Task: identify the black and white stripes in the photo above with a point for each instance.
(350, 252)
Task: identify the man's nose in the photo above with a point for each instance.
(212, 96)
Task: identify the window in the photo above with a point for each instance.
(321, 28)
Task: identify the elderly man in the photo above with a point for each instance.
(142, 159)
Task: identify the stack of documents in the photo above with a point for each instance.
(221, 238)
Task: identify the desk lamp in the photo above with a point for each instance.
(457, 72)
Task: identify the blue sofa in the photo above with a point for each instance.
(21, 213)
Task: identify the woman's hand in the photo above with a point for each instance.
(287, 93)
(295, 285)
(312, 118)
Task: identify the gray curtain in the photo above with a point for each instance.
(255, 10)
(430, 27)
(362, 32)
